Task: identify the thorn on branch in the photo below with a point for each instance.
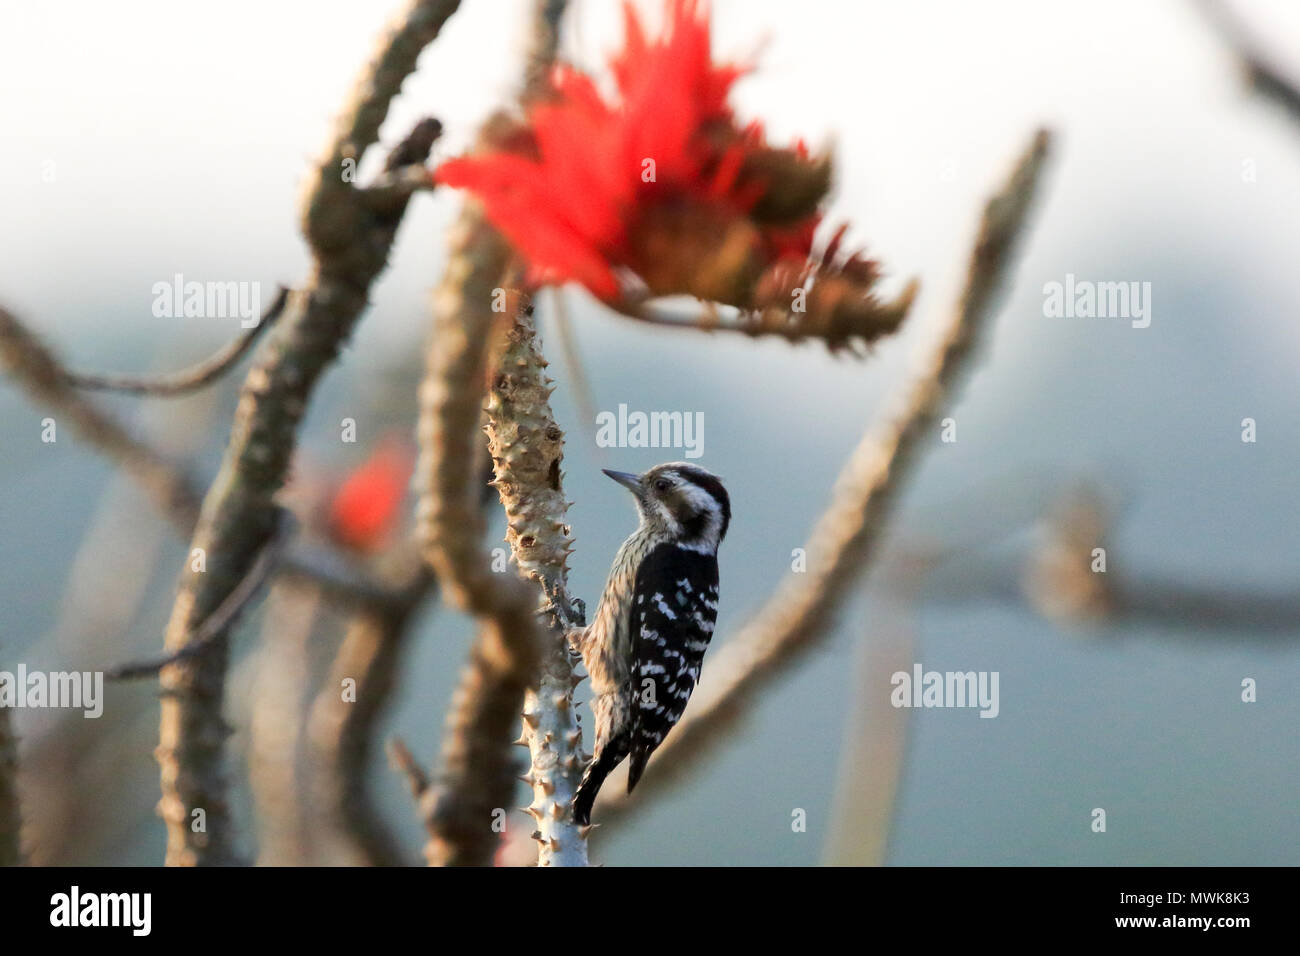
(403, 761)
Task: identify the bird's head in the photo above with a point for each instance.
(682, 502)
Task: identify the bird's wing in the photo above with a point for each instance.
(673, 613)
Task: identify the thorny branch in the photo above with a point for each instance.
(349, 242)
(475, 780)
(801, 612)
(527, 447)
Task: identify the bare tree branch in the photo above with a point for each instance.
(343, 719)
(216, 624)
(1265, 77)
(27, 360)
(165, 482)
(459, 812)
(476, 780)
(350, 245)
(194, 377)
(545, 42)
(843, 542)
(477, 770)
(294, 628)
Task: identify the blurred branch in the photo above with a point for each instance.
(404, 172)
(1263, 76)
(10, 812)
(526, 443)
(294, 628)
(227, 611)
(838, 326)
(874, 746)
(1276, 617)
(545, 35)
(477, 773)
(165, 482)
(845, 537)
(344, 718)
(403, 761)
(349, 244)
(194, 377)
(458, 813)
(26, 359)
(1063, 582)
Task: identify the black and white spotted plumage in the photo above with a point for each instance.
(646, 644)
(673, 613)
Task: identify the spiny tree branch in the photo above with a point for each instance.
(527, 447)
(349, 244)
(476, 777)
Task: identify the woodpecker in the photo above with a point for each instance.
(647, 639)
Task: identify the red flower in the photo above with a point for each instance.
(661, 181)
(365, 506)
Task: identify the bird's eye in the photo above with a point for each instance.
(663, 484)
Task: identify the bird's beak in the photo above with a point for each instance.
(629, 481)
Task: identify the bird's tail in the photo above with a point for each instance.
(597, 771)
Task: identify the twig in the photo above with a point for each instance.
(844, 539)
(28, 361)
(350, 245)
(34, 367)
(192, 378)
(404, 172)
(403, 761)
(850, 328)
(1262, 75)
(216, 623)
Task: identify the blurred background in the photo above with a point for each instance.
(149, 139)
